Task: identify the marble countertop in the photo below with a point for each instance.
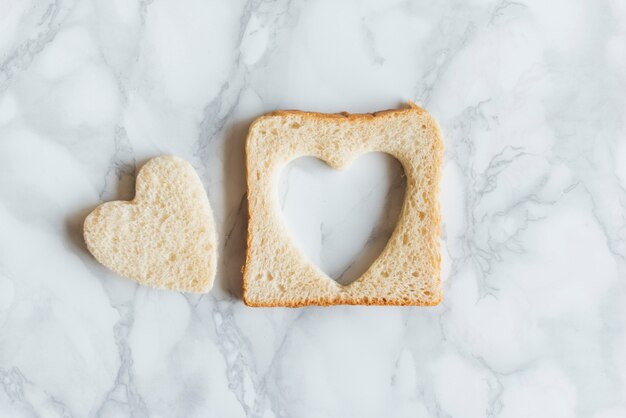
(531, 98)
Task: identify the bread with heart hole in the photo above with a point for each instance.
(165, 237)
(407, 272)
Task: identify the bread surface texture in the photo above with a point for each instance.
(165, 237)
(407, 272)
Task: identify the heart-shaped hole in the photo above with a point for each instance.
(342, 220)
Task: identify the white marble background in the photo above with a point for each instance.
(531, 97)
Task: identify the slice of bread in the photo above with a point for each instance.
(165, 237)
(407, 271)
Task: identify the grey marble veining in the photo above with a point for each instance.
(531, 99)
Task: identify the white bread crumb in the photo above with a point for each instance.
(165, 237)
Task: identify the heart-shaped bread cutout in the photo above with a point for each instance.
(165, 237)
(342, 219)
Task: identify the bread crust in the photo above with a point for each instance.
(333, 302)
(434, 213)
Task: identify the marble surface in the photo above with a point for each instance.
(531, 99)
